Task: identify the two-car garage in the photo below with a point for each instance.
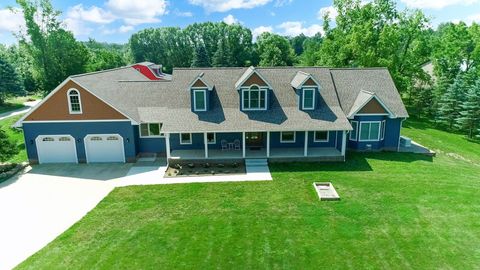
(63, 148)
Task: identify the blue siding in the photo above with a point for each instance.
(268, 98)
(148, 145)
(331, 140)
(229, 137)
(275, 140)
(197, 142)
(392, 134)
(79, 130)
(208, 96)
(318, 97)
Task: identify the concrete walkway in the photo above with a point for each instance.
(28, 106)
(44, 201)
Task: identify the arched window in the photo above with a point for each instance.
(254, 98)
(74, 102)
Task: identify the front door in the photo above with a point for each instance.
(254, 139)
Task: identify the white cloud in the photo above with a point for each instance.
(437, 4)
(296, 28)
(183, 13)
(11, 20)
(77, 27)
(261, 29)
(125, 28)
(230, 20)
(226, 5)
(93, 14)
(332, 13)
(138, 12)
(281, 3)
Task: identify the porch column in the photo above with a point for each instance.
(167, 144)
(268, 143)
(344, 142)
(305, 146)
(243, 144)
(205, 142)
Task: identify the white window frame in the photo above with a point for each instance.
(292, 141)
(70, 103)
(260, 89)
(214, 138)
(370, 123)
(186, 142)
(314, 136)
(160, 126)
(303, 98)
(354, 131)
(382, 130)
(195, 100)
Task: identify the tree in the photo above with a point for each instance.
(376, 34)
(469, 118)
(311, 47)
(222, 57)
(274, 50)
(297, 43)
(104, 55)
(7, 148)
(54, 51)
(200, 57)
(449, 106)
(10, 82)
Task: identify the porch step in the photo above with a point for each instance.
(256, 162)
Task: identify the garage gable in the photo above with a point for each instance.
(56, 107)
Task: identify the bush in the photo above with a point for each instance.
(7, 148)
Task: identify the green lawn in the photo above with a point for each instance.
(15, 103)
(15, 135)
(398, 211)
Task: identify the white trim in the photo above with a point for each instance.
(93, 135)
(204, 100)
(199, 77)
(180, 138)
(305, 145)
(205, 144)
(268, 143)
(336, 139)
(306, 79)
(214, 138)
(303, 98)
(355, 113)
(74, 121)
(400, 134)
(243, 144)
(239, 84)
(344, 143)
(160, 126)
(294, 137)
(56, 136)
(167, 145)
(70, 101)
(354, 131)
(260, 89)
(60, 86)
(315, 133)
(382, 130)
(369, 122)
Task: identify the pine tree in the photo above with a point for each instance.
(222, 57)
(469, 119)
(200, 57)
(10, 82)
(449, 105)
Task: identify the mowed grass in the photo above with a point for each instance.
(15, 135)
(398, 211)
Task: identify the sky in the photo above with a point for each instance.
(116, 20)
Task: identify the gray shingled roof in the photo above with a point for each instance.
(299, 79)
(349, 83)
(169, 103)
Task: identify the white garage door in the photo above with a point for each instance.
(104, 148)
(56, 149)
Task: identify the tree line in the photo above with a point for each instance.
(362, 35)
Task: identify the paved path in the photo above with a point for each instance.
(40, 204)
(28, 106)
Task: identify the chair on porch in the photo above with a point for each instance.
(237, 144)
(224, 145)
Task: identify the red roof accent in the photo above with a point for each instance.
(147, 72)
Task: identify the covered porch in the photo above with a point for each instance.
(260, 145)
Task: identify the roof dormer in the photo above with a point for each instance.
(368, 103)
(254, 91)
(200, 92)
(306, 88)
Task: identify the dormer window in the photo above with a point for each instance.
(199, 100)
(254, 98)
(74, 102)
(308, 102)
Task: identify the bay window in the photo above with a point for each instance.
(370, 131)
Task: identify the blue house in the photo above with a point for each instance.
(289, 113)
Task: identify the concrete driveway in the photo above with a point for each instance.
(37, 206)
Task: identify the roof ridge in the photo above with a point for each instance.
(100, 71)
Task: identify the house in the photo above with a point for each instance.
(310, 113)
